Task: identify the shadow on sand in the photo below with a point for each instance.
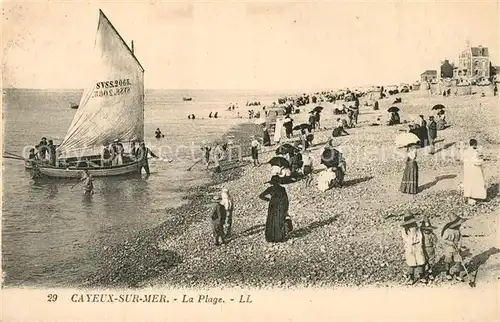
(301, 232)
(435, 181)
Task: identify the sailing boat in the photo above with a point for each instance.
(110, 109)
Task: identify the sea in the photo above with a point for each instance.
(48, 227)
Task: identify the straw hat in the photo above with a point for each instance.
(408, 219)
(216, 198)
(426, 224)
(225, 190)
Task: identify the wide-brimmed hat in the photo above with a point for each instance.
(455, 223)
(116, 140)
(426, 224)
(216, 198)
(408, 219)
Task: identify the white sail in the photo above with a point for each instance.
(112, 107)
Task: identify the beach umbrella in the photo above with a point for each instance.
(405, 139)
(286, 149)
(438, 107)
(302, 126)
(318, 109)
(280, 162)
(393, 109)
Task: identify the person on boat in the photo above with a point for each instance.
(106, 156)
(52, 153)
(118, 152)
(32, 156)
(142, 156)
(88, 182)
(158, 134)
(42, 148)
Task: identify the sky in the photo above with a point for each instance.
(246, 45)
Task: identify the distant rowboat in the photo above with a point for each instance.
(73, 106)
(187, 99)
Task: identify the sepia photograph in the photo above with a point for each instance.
(261, 146)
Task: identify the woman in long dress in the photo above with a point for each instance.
(474, 183)
(409, 184)
(277, 210)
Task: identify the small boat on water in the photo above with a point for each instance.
(111, 108)
(73, 106)
(187, 99)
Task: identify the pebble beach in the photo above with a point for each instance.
(347, 236)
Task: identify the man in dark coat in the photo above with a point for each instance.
(218, 217)
(432, 132)
(141, 155)
(52, 153)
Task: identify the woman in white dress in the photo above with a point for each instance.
(474, 183)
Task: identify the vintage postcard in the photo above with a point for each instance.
(263, 161)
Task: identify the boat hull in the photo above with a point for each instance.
(76, 172)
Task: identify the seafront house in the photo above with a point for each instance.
(473, 62)
(447, 69)
(428, 76)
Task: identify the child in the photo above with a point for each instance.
(218, 218)
(255, 151)
(307, 168)
(88, 181)
(414, 252)
(452, 241)
(227, 202)
(430, 241)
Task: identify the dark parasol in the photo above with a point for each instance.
(438, 107)
(280, 162)
(393, 109)
(302, 126)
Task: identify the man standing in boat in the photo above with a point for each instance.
(141, 155)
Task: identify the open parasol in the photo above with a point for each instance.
(286, 149)
(280, 162)
(393, 109)
(317, 109)
(438, 107)
(302, 126)
(406, 139)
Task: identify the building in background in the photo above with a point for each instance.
(447, 69)
(428, 76)
(473, 62)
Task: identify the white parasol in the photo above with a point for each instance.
(405, 139)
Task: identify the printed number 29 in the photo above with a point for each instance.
(51, 297)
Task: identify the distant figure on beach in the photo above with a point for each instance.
(193, 117)
(312, 121)
(218, 217)
(217, 156)
(216, 114)
(495, 90)
(266, 139)
(307, 168)
(255, 151)
(375, 106)
(206, 154)
(474, 183)
(394, 119)
(441, 123)
(431, 133)
(409, 184)
(210, 115)
(277, 211)
(339, 129)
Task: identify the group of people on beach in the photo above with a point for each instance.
(420, 241)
